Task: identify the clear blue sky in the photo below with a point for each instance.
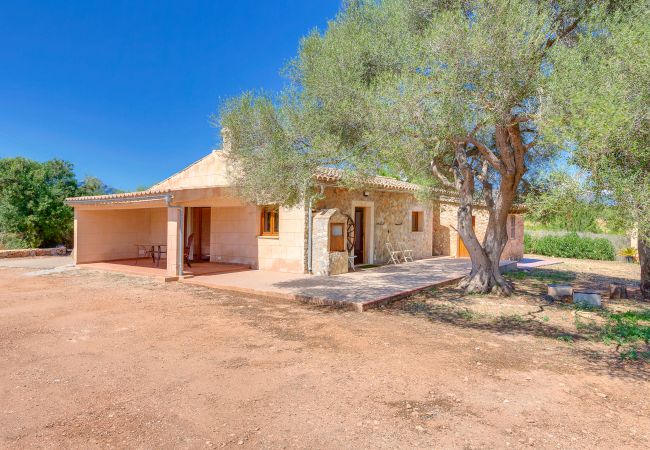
(124, 89)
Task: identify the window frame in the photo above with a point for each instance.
(274, 221)
(417, 221)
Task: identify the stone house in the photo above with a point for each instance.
(199, 201)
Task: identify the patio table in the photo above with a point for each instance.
(156, 250)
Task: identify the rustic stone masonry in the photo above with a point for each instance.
(391, 221)
(25, 252)
(445, 234)
(325, 262)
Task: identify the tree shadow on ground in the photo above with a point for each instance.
(607, 361)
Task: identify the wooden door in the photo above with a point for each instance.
(360, 235)
(462, 250)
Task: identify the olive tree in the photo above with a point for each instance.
(602, 107)
(444, 93)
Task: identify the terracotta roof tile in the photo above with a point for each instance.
(332, 175)
(124, 195)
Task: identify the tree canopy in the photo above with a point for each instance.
(32, 194)
(602, 109)
(443, 93)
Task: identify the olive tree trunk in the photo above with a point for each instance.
(644, 259)
(485, 275)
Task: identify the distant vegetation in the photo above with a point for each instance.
(561, 202)
(32, 212)
(570, 246)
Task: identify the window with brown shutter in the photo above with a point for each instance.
(336, 237)
(270, 221)
(417, 221)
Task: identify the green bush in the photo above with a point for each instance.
(570, 246)
(11, 241)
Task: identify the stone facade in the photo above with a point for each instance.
(324, 261)
(446, 237)
(388, 219)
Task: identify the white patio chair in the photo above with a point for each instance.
(351, 257)
(407, 254)
(394, 254)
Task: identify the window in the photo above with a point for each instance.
(336, 237)
(270, 221)
(513, 227)
(417, 221)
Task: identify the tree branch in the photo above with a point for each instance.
(487, 186)
(446, 182)
(560, 34)
(521, 119)
(486, 153)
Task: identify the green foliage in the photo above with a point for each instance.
(561, 202)
(598, 102)
(94, 186)
(31, 200)
(392, 85)
(32, 194)
(570, 246)
(11, 241)
(625, 328)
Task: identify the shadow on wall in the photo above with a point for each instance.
(441, 241)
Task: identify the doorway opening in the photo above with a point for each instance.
(197, 224)
(360, 235)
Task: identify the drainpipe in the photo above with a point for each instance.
(309, 235)
(310, 243)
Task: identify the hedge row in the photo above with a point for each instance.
(570, 246)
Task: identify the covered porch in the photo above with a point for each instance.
(148, 268)
(168, 235)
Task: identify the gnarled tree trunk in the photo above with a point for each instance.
(644, 259)
(485, 275)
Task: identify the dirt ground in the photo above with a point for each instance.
(90, 359)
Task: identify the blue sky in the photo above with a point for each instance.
(124, 89)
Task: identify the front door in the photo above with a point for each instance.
(359, 235)
(462, 250)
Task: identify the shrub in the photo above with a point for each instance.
(570, 246)
(11, 241)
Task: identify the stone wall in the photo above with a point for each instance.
(25, 252)
(445, 234)
(324, 262)
(391, 221)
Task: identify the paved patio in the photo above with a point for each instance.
(146, 267)
(355, 290)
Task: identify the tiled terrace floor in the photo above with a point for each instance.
(146, 267)
(355, 290)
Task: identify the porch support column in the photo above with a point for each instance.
(75, 242)
(174, 245)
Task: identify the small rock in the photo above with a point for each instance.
(419, 428)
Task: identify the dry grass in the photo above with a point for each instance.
(530, 311)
